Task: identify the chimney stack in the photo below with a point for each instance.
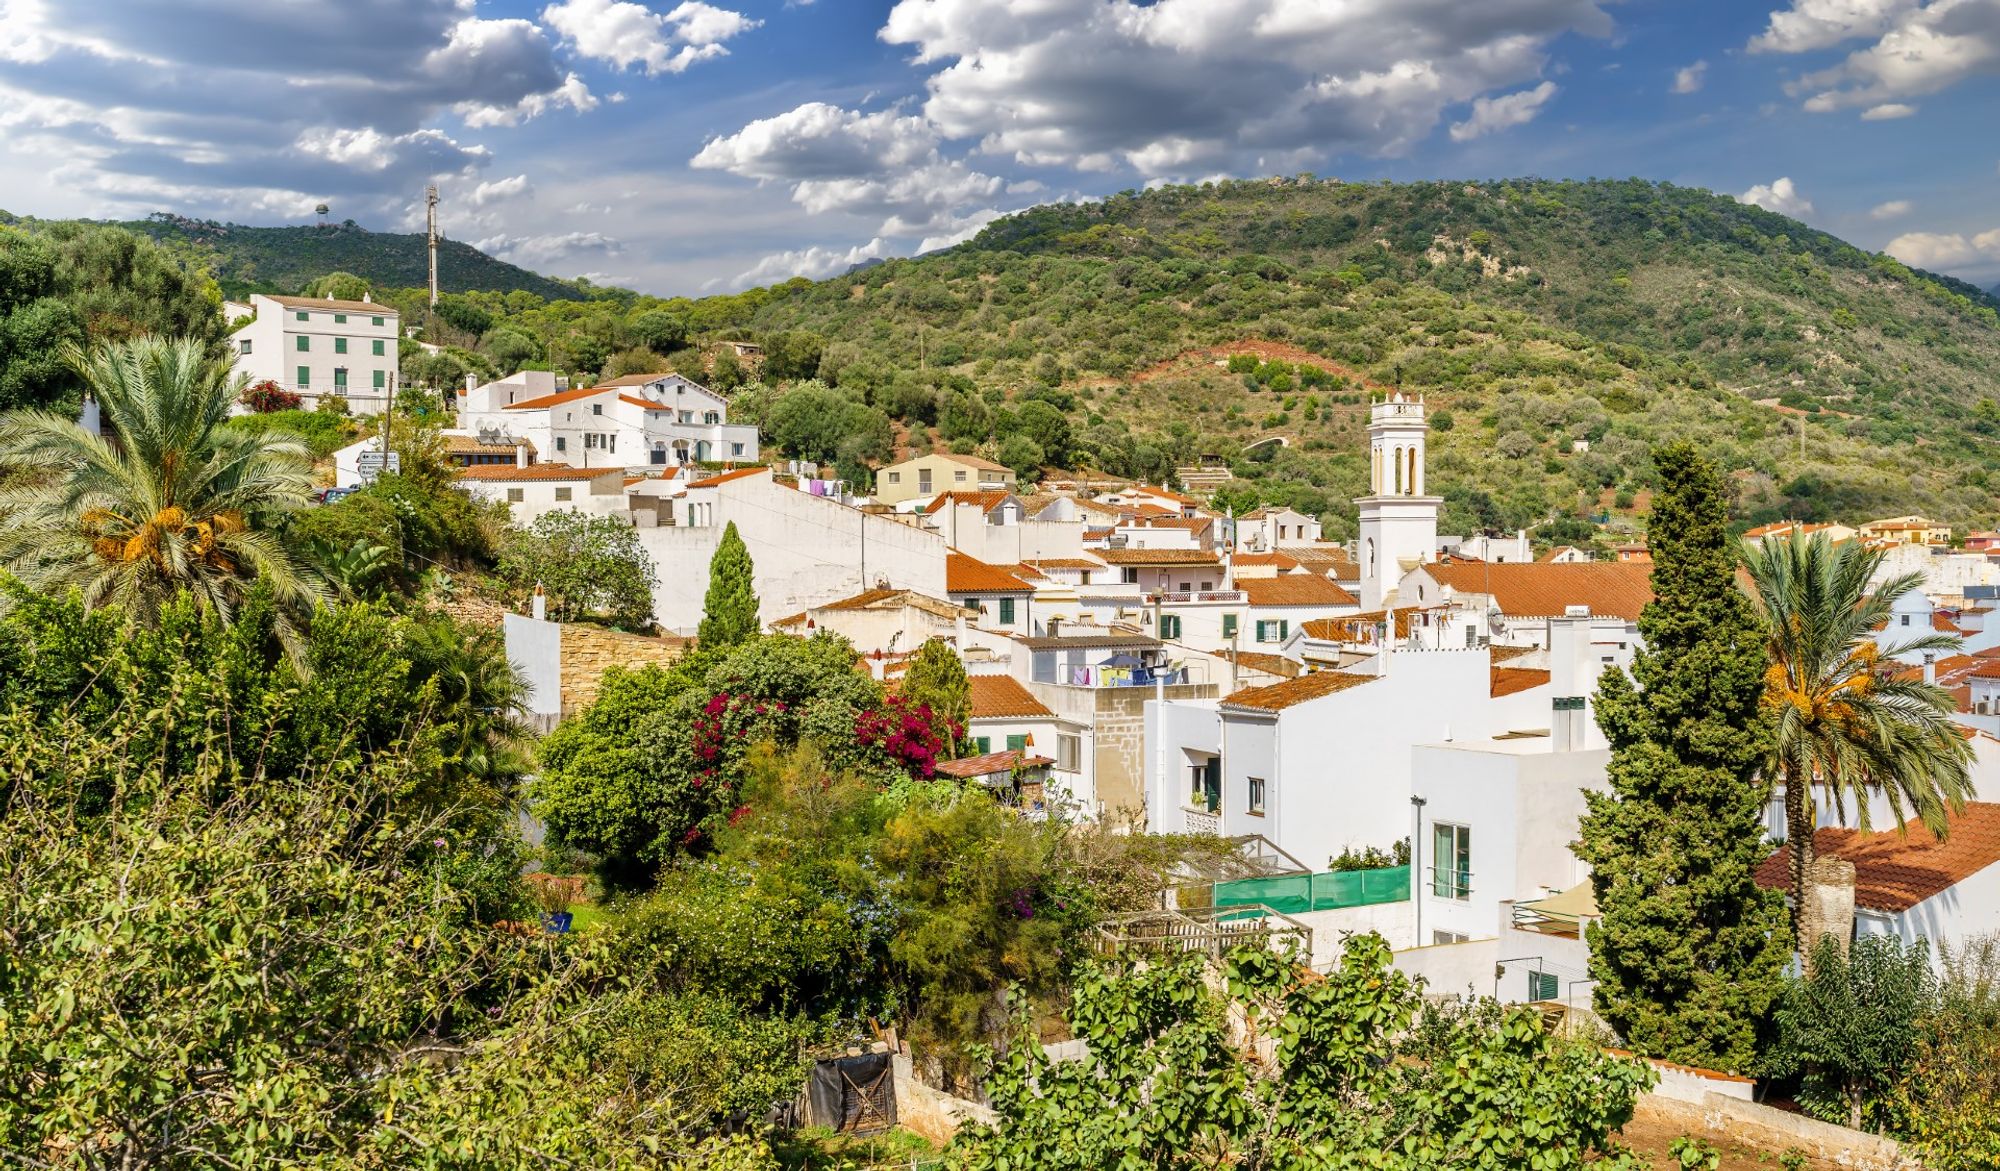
(520, 455)
(541, 603)
(471, 382)
(1572, 674)
(1930, 667)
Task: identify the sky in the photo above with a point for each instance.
(689, 147)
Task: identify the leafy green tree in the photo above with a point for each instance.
(510, 349)
(344, 286)
(729, 611)
(637, 360)
(1852, 1026)
(1846, 724)
(35, 324)
(1048, 427)
(792, 354)
(659, 331)
(1363, 1072)
(1689, 952)
(936, 679)
(813, 421)
(590, 567)
(1946, 1109)
(464, 313)
(167, 501)
(1023, 455)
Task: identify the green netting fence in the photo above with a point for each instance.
(1330, 891)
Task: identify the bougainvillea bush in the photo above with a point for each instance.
(267, 396)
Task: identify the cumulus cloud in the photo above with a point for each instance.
(1105, 84)
(232, 106)
(1919, 47)
(1887, 111)
(1893, 209)
(1781, 196)
(499, 190)
(1492, 114)
(540, 251)
(815, 263)
(1690, 78)
(1941, 250)
(626, 34)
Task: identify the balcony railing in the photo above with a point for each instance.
(1447, 883)
(1171, 599)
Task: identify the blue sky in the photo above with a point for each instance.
(683, 146)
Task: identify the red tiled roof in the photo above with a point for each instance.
(973, 461)
(725, 477)
(1261, 661)
(967, 768)
(371, 308)
(1156, 556)
(969, 575)
(1533, 590)
(987, 500)
(1508, 680)
(1360, 625)
(996, 697)
(1295, 589)
(1278, 560)
(1279, 696)
(533, 472)
(1895, 870)
(1063, 563)
(557, 399)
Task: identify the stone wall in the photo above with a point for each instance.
(588, 651)
(1121, 747)
(1776, 1130)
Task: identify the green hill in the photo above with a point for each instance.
(282, 260)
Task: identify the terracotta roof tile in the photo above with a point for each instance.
(987, 500)
(557, 399)
(969, 575)
(725, 477)
(1262, 661)
(973, 461)
(1279, 696)
(1508, 680)
(969, 767)
(1280, 561)
(371, 308)
(1895, 870)
(1610, 588)
(457, 444)
(1295, 589)
(535, 472)
(1157, 556)
(996, 697)
(1359, 626)
(1063, 563)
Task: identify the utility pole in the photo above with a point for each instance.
(431, 236)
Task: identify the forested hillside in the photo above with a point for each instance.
(284, 260)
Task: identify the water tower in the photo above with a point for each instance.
(321, 211)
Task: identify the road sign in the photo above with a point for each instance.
(371, 464)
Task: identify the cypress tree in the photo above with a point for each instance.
(729, 611)
(937, 677)
(1690, 952)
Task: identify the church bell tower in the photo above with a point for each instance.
(1398, 522)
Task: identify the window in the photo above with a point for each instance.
(981, 745)
(1017, 742)
(243, 347)
(305, 344)
(381, 379)
(562, 494)
(1129, 575)
(597, 408)
(1185, 587)
(589, 440)
(375, 321)
(923, 479)
(1170, 627)
(1451, 861)
(687, 416)
(736, 449)
(895, 477)
(340, 380)
(515, 495)
(1542, 986)
(1069, 752)
(1229, 626)
(1906, 619)
(1007, 611)
(1206, 586)
(711, 418)
(376, 348)
(1256, 785)
(958, 476)
(1205, 790)
(1273, 629)
(305, 377)
(562, 444)
(612, 442)
(340, 345)
(340, 319)
(1439, 938)
(302, 315)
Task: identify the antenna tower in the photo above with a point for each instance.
(431, 236)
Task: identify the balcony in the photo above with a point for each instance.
(1447, 883)
(1230, 597)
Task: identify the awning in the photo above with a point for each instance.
(1571, 906)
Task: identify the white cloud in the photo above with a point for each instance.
(1918, 48)
(627, 34)
(1887, 111)
(1822, 24)
(1781, 196)
(814, 262)
(1492, 114)
(572, 93)
(1893, 209)
(499, 190)
(539, 251)
(1189, 87)
(1940, 250)
(819, 141)
(964, 229)
(1690, 78)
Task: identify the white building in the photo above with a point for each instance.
(530, 491)
(1398, 522)
(1006, 715)
(1511, 603)
(885, 626)
(321, 348)
(639, 421)
(1262, 530)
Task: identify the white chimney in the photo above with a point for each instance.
(520, 455)
(1573, 670)
(471, 383)
(367, 297)
(541, 603)
(1930, 667)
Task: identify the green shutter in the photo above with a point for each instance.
(1007, 611)
(340, 319)
(305, 343)
(340, 345)
(375, 347)
(1017, 743)
(1228, 625)
(381, 379)
(982, 745)
(305, 375)
(1284, 629)
(1542, 986)
(302, 315)
(340, 379)
(376, 321)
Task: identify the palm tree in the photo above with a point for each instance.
(166, 500)
(1851, 720)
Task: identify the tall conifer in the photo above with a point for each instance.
(729, 611)
(1689, 954)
